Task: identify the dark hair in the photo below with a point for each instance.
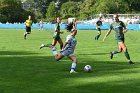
(69, 26)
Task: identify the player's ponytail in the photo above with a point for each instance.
(69, 27)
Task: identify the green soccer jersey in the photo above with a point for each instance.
(57, 33)
(99, 23)
(118, 28)
(58, 27)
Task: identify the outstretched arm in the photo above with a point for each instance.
(106, 35)
(124, 28)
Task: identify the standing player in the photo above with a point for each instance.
(28, 24)
(98, 25)
(56, 36)
(68, 49)
(119, 28)
(41, 25)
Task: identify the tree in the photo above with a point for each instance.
(11, 11)
(51, 12)
(86, 8)
(133, 5)
(42, 5)
(69, 9)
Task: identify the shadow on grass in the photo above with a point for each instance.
(16, 53)
(42, 74)
(94, 54)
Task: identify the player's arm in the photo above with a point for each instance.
(56, 30)
(108, 32)
(65, 45)
(74, 25)
(124, 28)
(31, 23)
(25, 23)
(97, 24)
(67, 41)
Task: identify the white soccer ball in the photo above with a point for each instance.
(87, 68)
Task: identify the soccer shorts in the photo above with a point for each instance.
(67, 53)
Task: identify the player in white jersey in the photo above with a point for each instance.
(68, 48)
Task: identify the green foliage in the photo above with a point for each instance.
(52, 12)
(42, 6)
(11, 11)
(69, 9)
(86, 8)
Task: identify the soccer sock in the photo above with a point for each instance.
(98, 37)
(61, 46)
(127, 55)
(73, 66)
(115, 52)
(25, 34)
(54, 51)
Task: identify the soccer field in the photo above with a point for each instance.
(24, 68)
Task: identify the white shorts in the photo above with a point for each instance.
(67, 53)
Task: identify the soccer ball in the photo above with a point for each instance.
(87, 68)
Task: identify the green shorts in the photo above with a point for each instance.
(56, 36)
(120, 40)
(98, 29)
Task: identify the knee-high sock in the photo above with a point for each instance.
(54, 51)
(98, 36)
(127, 55)
(115, 52)
(61, 46)
(73, 66)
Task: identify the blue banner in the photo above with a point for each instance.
(79, 26)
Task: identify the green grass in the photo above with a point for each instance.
(24, 68)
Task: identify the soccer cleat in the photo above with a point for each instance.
(73, 72)
(130, 62)
(95, 38)
(49, 45)
(24, 36)
(42, 45)
(111, 55)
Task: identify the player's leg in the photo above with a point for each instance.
(28, 31)
(123, 46)
(47, 45)
(119, 50)
(58, 56)
(74, 62)
(61, 43)
(25, 34)
(54, 42)
(98, 35)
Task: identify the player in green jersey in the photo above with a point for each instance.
(119, 28)
(56, 36)
(98, 25)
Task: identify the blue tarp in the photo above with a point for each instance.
(79, 26)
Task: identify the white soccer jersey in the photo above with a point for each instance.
(71, 43)
(69, 48)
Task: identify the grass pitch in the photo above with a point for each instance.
(24, 68)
